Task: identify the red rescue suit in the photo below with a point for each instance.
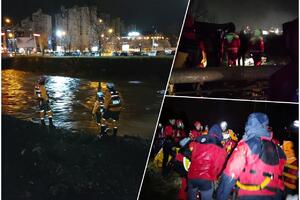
(256, 49)
(258, 166)
(207, 159)
(230, 47)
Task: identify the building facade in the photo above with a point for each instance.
(42, 27)
(79, 28)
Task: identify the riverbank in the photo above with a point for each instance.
(98, 67)
(39, 163)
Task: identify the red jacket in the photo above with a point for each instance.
(231, 45)
(168, 131)
(248, 164)
(256, 45)
(207, 159)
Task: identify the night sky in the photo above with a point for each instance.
(209, 111)
(256, 13)
(166, 15)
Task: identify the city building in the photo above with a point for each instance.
(77, 28)
(135, 41)
(41, 28)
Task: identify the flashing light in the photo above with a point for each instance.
(133, 34)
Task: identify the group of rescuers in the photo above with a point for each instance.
(198, 48)
(105, 112)
(214, 164)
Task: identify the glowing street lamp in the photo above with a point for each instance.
(110, 31)
(7, 20)
(60, 33)
(10, 35)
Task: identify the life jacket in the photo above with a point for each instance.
(182, 161)
(291, 168)
(263, 172)
(40, 92)
(230, 143)
(115, 100)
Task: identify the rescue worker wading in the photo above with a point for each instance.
(110, 107)
(256, 164)
(43, 99)
(207, 160)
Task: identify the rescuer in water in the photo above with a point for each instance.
(256, 165)
(109, 102)
(98, 109)
(40, 93)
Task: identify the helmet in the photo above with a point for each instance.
(110, 86)
(179, 123)
(102, 86)
(42, 80)
(172, 121)
(100, 95)
(223, 126)
(198, 125)
(257, 33)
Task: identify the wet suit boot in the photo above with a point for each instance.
(103, 130)
(115, 131)
(43, 124)
(51, 122)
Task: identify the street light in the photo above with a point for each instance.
(10, 35)
(60, 33)
(7, 20)
(110, 31)
(100, 20)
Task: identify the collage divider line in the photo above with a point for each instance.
(162, 103)
(228, 99)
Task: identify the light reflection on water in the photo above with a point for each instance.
(72, 99)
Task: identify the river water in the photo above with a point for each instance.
(72, 100)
